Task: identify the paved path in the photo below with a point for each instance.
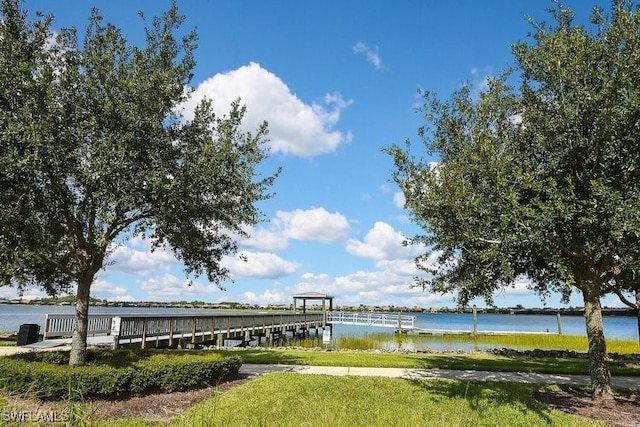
(621, 382)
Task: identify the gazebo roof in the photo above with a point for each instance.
(312, 295)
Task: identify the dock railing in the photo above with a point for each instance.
(62, 325)
(384, 320)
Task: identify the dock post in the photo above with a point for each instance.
(170, 332)
(559, 324)
(144, 334)
(220, 340)
(115, 332)
(475, 320)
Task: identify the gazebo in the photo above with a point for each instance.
(313, 296)
(316, 296)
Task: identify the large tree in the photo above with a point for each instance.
(537, 178)
(93, 151)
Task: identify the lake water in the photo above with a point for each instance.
(12, 316)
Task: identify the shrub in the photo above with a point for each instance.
(46, 374)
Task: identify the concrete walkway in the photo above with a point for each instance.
(618, 382)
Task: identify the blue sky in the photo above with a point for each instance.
(337, 81)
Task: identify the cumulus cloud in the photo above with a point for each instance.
(172, 288)
(382, 242)
(399, 199)
(103, 289)
(360, 287)
(139, 262)
(316, 224)
(264, 239)
(263, 265)
(372, 55)
(265, 298)
(28, 294)
(480, 82)
(294, 127)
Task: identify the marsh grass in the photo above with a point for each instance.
(386, 341)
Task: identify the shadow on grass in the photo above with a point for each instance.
(503, 364)
(483, 396)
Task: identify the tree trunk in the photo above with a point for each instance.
(600, 376)
(638, 312)
(79, 339)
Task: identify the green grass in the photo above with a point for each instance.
(8, 341)
(284, 399)
(306, 400)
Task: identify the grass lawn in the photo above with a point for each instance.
(8, 341)
(314, 400)
(284, 399)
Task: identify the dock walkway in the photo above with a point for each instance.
(161, 330)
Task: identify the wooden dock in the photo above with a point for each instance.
(188, 329)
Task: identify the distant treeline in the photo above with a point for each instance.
(230, 305)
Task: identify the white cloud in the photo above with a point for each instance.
(480, 82)
(382, 242)
(399, 199)
(261, 265)
(266, 298)
(29, 293)
(172, 288)
(316, 224)
(260, 238)
(294, 127)
(135, 262)
(401, 267)
(361, 287)
(372, 55)
(103, 289)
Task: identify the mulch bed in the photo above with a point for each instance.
(621, 411)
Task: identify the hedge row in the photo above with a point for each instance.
(46, 374)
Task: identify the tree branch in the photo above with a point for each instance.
(624, 300)
(563, 248)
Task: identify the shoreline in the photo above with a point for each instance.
(569, 311)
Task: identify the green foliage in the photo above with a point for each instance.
(47, 374)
